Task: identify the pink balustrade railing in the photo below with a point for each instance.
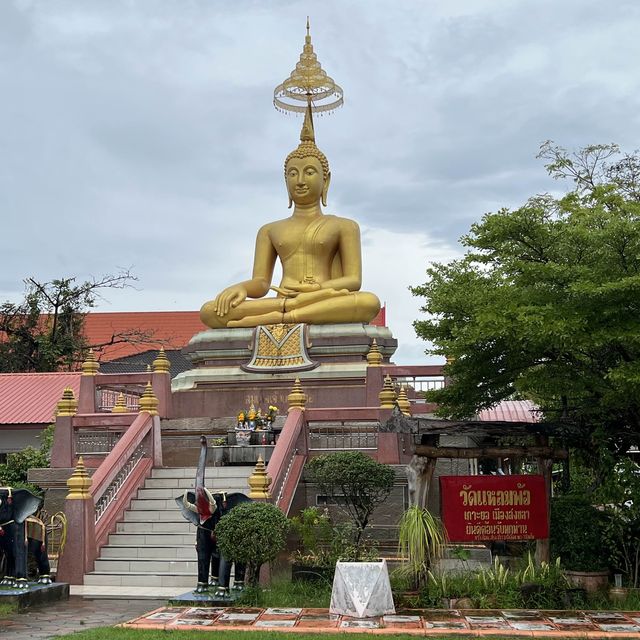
(287, 460)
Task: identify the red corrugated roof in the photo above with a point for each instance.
(511, 411)
(31, 398)
(170, 329)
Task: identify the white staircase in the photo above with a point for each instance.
(155, 546)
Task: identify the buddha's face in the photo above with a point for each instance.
(305, 182)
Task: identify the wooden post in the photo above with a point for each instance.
(545, 465)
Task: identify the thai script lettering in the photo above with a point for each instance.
(489, 498)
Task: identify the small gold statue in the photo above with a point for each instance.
(320, 254)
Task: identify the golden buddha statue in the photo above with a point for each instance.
(320, 254)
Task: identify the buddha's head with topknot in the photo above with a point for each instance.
(307, 149)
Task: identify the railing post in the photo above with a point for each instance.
(156, 442)
(389, 449)
(80, 550)
(87, 393)
(63, 448)
(374, 383)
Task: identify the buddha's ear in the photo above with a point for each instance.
(290, 203)
(325, 189)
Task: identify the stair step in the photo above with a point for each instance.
(149, 515)
(151, 539)
(174, 552)
(155, 527)
(210, 473)
(109, 579)
(149, 565)
(170, 493)
(180, 484)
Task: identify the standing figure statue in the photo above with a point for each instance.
(204, 510)
(320, 254)
(22, 533)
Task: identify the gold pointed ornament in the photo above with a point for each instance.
(259, 481)
(297, 398)
(90, 366)
(374, 357)
(148, 401)
(388, 394)
(161, 364)
(403, 401)
(67, 405)
(79, 483)
(120, 406)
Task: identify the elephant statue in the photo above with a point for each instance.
(22, 533)
(204, 510)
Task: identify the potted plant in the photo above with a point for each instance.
(218, 452)
(421, 542)
(576, 535)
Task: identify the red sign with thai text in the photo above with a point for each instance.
(494, 507)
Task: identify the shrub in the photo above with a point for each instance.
(13, 473)
(576, 535)
(360, 482)
(252, 533)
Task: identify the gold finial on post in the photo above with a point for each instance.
(120, 406)
(297, 398)
(403, 401)
(91, 365)
(79, 483)
(67, 405)
(374, 357)
(161, 364)
(259, 482)
(388, 394)
(148, 401)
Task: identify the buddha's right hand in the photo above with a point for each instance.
(230, 298)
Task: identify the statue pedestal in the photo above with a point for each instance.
(234, 367)
(35, 595)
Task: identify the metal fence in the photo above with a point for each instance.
(337, 437)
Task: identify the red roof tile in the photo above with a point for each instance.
(511, 411)
(31, 398)
(170, 329)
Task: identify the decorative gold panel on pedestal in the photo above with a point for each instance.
(279, 348)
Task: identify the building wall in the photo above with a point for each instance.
(17, 437)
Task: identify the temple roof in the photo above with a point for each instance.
(31, 398)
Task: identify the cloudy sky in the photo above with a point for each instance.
(141, 134)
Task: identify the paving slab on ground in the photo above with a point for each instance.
(80, 613)
(511, 623)
(74, 614)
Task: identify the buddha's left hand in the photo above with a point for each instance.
(295, 289)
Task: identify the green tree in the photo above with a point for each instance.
(44, 332)
(13, 473)
(357, 483)
(252, 533)
(546, 303)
